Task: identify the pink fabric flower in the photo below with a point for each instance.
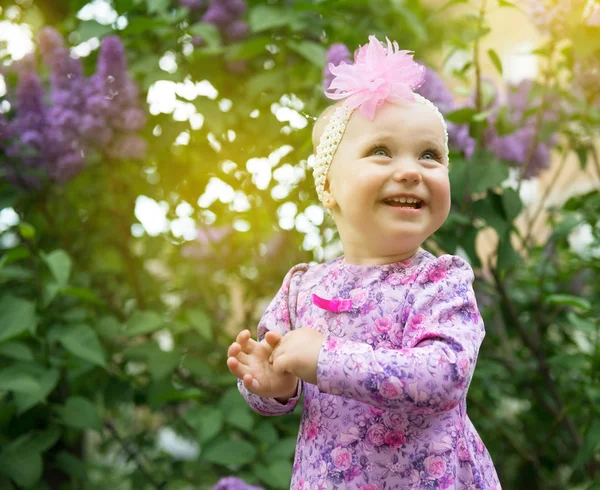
(416, 322)
(341, 458)
(313, 431)
(369, 486)
(436, 275)
(395, 419)
(391, 388)
(383, 325)
(463, 366)
(435, 466)
(359, 296)
(395, 439)
(376, 435)
(379, 73)
(462, 450)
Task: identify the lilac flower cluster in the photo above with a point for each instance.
(436, 90)
(335, 55)
(523, 146)
(52, 141)
(113, 115)
(233, 483)
(226, 15)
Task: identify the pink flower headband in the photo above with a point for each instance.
(379, 73)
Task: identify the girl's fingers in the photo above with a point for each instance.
(244, 339)
(273, 338)
(234, 350)
(236, 368)
(280, 364)
(250, 383)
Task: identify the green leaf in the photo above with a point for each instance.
(82, 341)
(47, 378)
(208, 32)
(16, 350)
(487, 174)
(16, 317)
(591, 442)
(15, 273)
(201, 323)
(241, 418)
(490, 209)
(263, 18)
(20, 464)
(59, 264)
(13, 378)
(162, 364)
(312, 51)
(461, 116)
(143, 322)
(495, 60)
(14, 255)
(281, 473)
(90, 28)
(26, 230)
(80, 413)
(512, 204)
(71, 465)
(581, 323)
(265, 432)
(108, 327)
(568, 300)
(248, 49)
(157, 6)
(285, 448)
(207, 421)
(507, 256)
(230, 453)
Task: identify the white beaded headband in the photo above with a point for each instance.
(378, 74)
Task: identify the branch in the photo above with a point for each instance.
(531, 222)
(133, 454)
(539, 356)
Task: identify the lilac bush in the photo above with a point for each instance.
(50, 136)
(226, 15)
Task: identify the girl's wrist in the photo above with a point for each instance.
(285, 399)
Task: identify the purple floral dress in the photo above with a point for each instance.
(389, 408)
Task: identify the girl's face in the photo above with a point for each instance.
(388, 182)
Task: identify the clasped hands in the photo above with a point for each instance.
(272, 368)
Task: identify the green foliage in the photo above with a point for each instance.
(110, 334)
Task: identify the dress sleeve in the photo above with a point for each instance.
(431, 373)
(280, 316)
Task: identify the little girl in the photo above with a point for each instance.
(383, 340)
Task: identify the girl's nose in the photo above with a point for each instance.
(408, 174)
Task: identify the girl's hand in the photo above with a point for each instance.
(297, 353)
(249, 361)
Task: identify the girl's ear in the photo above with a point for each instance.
(329, 200)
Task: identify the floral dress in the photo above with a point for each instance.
(389, 407)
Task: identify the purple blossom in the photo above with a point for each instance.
(233, 483)
(218, 15)
(236, 31)
(198, 42)
(435, 90)
(113, 113)
(336, 53)
(236, 7)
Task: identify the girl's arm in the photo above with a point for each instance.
(443, 331)
(280, 316)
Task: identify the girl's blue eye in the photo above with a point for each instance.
(380, 151)
(432, 156)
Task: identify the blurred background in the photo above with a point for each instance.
(155, 187)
